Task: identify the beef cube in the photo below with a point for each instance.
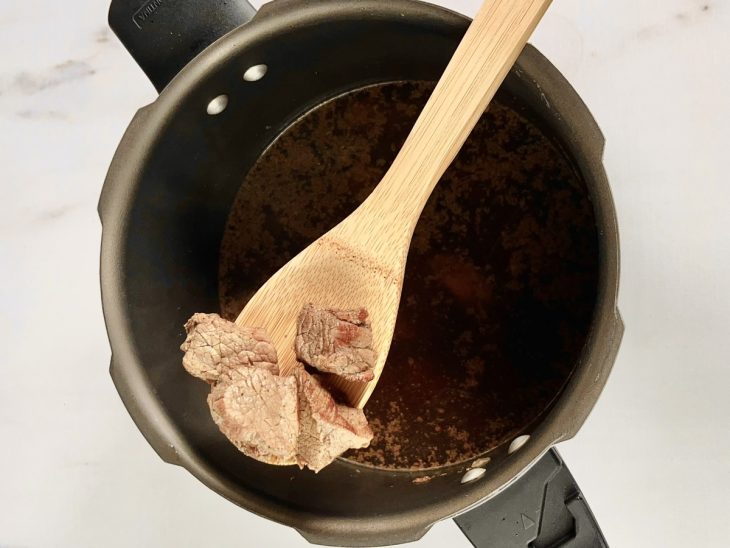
(258, 412)
(336, 341)
(273, 419)
(215, 346)
(326, 429)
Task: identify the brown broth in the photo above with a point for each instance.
(501, 276)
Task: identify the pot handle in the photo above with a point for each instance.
(164, 35)
(542, 508)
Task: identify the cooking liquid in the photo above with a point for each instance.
(501, 276)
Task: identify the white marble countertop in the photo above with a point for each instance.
(654, 457)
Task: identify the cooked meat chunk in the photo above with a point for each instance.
(273, 419)
(258, 412)
(326, 429)
(336, 341)
(215, 346)
(356, 418)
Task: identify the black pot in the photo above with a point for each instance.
(164, 206)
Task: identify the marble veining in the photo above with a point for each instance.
(31, 114)
(103, 35)
(67, 71)
(685, 18)
(681, 18)
(55, 213)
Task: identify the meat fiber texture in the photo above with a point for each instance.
(326, 429)
(257, 412)
(336, 341)
(215, 346)
(274, 419)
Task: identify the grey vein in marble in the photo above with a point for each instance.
(53, 214)
(68, 71)
(33, 114)
(696, 12)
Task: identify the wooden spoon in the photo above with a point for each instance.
(361, 262)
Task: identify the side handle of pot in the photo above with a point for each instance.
(164, 35)
(544, 507)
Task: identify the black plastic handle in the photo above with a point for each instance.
(543, 509)
(164, 35)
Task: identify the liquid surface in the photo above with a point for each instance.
(501, 275)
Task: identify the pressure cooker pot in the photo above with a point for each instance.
(271, 127)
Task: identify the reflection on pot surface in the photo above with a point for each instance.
(501, 278)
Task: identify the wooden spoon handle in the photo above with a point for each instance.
(483, 59)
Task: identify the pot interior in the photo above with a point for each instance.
(501, 277)
(506, 255)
